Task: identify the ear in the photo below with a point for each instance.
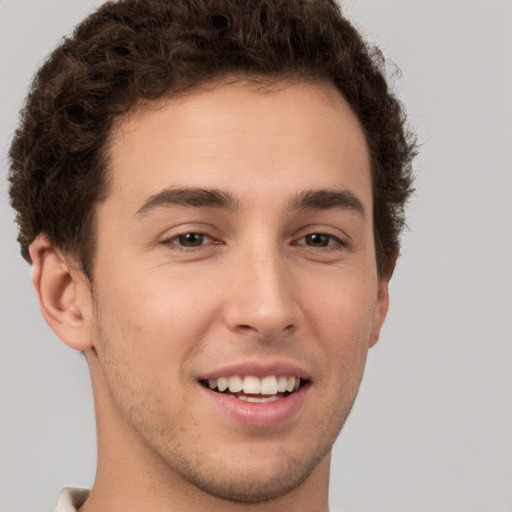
(382, 305)
(63, 293)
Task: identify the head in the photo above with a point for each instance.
(131, 52)
(220, 186)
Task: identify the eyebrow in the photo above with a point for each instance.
(324, 199)
(189, 196)
(321, 199)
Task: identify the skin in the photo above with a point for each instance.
(257, 288)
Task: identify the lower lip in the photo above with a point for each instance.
(258, 414)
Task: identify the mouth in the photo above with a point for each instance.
(252, 389)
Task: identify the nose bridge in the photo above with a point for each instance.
(262, 295)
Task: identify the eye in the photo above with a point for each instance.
(191, 239)
(320, 240)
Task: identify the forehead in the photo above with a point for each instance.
(237, 136)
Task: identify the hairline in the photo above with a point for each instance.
(259, 83)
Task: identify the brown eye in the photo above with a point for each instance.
(191, 239)
(318, 240)
(322, 241)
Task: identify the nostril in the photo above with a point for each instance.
(265, 332)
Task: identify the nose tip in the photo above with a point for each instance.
(262, 301)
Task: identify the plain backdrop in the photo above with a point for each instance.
(431, 430)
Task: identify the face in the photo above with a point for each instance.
(235, 249)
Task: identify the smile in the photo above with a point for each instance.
(254, 389)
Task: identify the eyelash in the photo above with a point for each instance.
(171, 241)
(334, 243)
(338, 244)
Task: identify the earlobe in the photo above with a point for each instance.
(382, 305)
(62, 300)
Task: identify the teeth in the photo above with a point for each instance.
(222, 384)
(257, 400)
(290, 386)
(282, 382)
(269, 385)
(251, 385)
(235, 384)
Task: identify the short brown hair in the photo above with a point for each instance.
(133, 50)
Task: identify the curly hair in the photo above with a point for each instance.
(134, 50)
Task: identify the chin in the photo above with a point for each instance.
(257, 481)
(252, 486)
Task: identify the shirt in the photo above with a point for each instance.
(70, 500)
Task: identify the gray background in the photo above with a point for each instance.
(431, 430)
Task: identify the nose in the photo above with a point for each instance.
(261, 301)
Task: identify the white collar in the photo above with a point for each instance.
(71, 499)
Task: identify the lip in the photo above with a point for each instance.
(258, 414)
(258, 369)
(268, 414)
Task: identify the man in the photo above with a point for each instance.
(211, 195)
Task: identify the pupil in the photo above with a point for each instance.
(191, 239)
(318, 239)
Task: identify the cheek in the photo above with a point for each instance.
(158, 319)
(341, 314)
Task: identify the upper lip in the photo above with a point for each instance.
(258, 369)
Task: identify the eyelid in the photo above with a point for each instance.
(185, 233)
(171, 241)
(338, 241)
(323, 229)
